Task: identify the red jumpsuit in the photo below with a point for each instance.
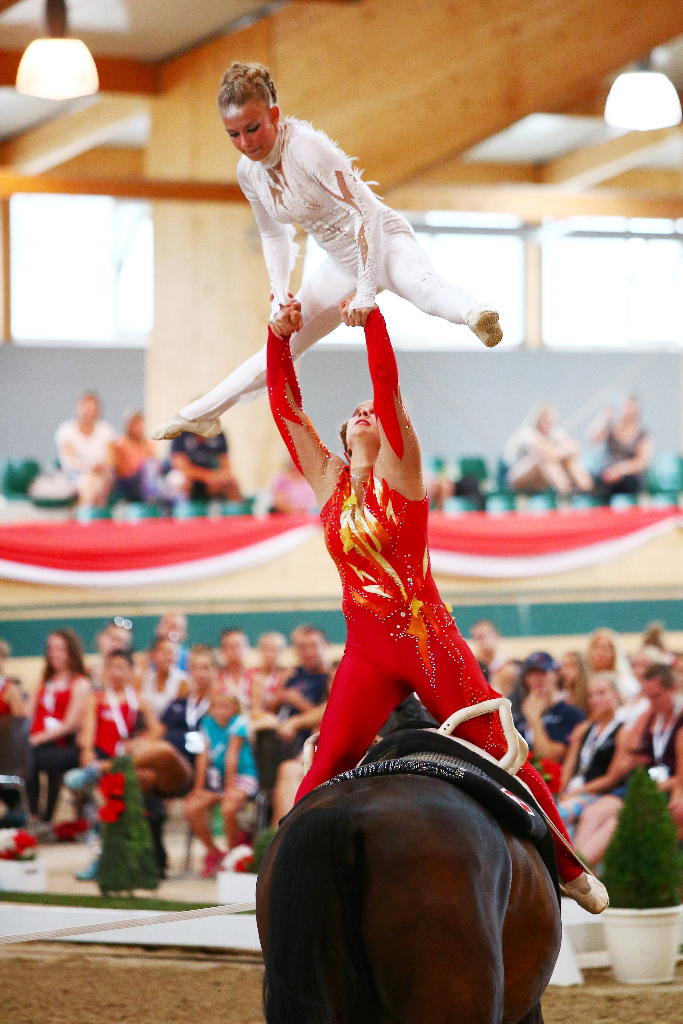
(401, 637)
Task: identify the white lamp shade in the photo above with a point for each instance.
(57, 69)
(642, 101)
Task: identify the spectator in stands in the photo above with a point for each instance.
(506, 679)
(586, 769)
(627, 453)
(117, 635)
(183, 717)
(173, 627)
(163, 682)
(133, 460)
(545, 456)
(572, 680)
(291, 494)
(486, 640)
(233, 675)
(57, 712)
(225, 774)
(202, 468)
(654, 741)
(266, 680)
(300, 704)
(11, 697)
(604, 654)
(83, 449)
(544, 718)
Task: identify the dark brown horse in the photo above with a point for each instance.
(399, 900)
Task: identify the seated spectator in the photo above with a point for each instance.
(438, 483)
(486, 640)
(654, 741)
(132, 457)
(586, 768)
(173, 627)
(547, 457)
(506, 679)
(11, 697)
(184, 715)
(225, 773)
(117, 635)
(300, 704)
(544, 718)
(572, 680)
(628, 450)
(163, 682)
(202, 468)
(604, 654)
(57, 712)
(83, 449)
(291, 493)
(266, 680)
(233, 675)
(119, 721)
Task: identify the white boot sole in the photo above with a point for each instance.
(178, 425)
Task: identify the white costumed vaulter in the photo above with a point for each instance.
(293, 174)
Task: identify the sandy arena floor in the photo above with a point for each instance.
(46, 984)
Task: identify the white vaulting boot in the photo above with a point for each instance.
(484, 323)
(178, 425)
(588, 891)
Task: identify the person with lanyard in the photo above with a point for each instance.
(163, 681)
(401, 637)
(586, 769)
(183, 716)
(656, 743)
(225, 773)
(233, 676)
(544, 718)
(56, 713)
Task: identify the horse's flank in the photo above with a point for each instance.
(399, 900)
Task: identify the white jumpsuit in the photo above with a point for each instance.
(307, 180)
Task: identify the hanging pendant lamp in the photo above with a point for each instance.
(642, 100)
(57, 68)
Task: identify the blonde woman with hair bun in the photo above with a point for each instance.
(292, 174)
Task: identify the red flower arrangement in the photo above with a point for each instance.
(17, 845)
(112, 788)
(550, 772)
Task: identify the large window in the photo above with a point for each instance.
(81, 270)
(465, 250)
(613, 283)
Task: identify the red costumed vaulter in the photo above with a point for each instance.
(401, 637)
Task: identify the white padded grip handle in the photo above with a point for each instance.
(517, 750)
(309, 750)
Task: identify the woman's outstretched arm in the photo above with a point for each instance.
(399, 461)
(319, 466)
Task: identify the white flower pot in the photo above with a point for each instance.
(643, 944)
(23, 876)
(236, 887)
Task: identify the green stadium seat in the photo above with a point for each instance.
(583, 501)
(545, 502)
(190, 509)
(623, 501)
(17, 477)
(499, 502)
(664, 499)
(665, 475)
(90, 513)
(456, 506)
(473, 465)
(136, 510)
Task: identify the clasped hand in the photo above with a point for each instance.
(287, 320)
(354, 317)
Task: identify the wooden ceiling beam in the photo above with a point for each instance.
(116, 74)
(533, 203)
(649, 179)
(122, 188)
(592, 165)
(64, 138)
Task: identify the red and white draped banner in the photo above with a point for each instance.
(121, 554)
(513, 546)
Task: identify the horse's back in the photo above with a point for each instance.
(437, 879)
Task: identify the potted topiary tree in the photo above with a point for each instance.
(643, 874)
